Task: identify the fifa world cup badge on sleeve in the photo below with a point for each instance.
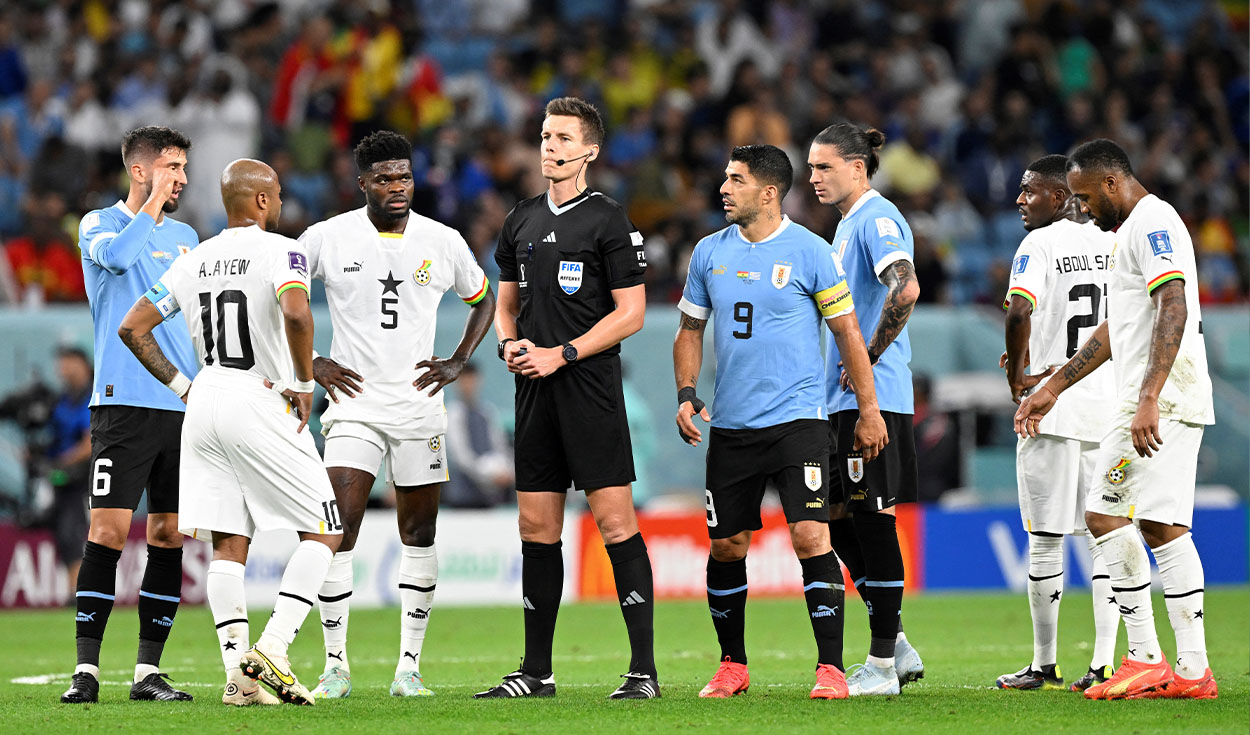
(811, 476)
(298, 263)
(855, 468)
(1022, 262)
(570, 277)
(1160, 243)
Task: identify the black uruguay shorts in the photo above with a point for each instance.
(133, 448)
(886, 481)
(794, 456)
(571, 429)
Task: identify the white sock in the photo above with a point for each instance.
(228, 603)
(1129, 568)
(1045, 589)
(304, 575)
(333, 601)
(1183, 580)
(88, 669)
(418, 575)
(143, 671)
(879, 662)
(1106, 612)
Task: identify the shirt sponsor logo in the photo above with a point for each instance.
(781, 274)
(1021, 263)
(298, 262)
(570, 276)
(1160, 243)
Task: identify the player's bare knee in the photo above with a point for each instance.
(730, 549)
(163, 531)
(1100, 525)
(417, 534)
(538, 529)
(809, 539)
(107, 534)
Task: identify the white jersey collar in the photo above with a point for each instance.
(870, 194)
(785, 222)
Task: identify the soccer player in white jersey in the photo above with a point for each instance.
(1056, 298)
(385, 269)
(1148, 461)
(248, 465)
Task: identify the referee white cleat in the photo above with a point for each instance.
(637, 686)
(907, 662)
(243, 692)
(275, 673)
(867, 680)
(335, 683)
(521, 684)
(410, 684)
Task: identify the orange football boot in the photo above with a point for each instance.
(830, 683)
(731, 679)
(1134, 680)
(1204, 687)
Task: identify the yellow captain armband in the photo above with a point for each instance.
(834, 301)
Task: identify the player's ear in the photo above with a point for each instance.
(594, 153)
(360, 182)
(1111, 182)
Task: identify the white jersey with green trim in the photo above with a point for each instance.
(1063, 270)
(384, 290)
(1153, 247)
(227, 290)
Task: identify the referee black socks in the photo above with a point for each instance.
(159, 596)
(822, 587)
(882, 589)
(97, 582)
(542, 581)
(631, 566)
(727, 601)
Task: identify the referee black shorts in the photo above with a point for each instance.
(794, 456)
(886, 481)
(571, 428)
(133, 448)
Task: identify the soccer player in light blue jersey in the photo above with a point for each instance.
(767, 283)
(875, 247)
(136, 422)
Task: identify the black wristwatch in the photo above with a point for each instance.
(503, 343)
(570, 353)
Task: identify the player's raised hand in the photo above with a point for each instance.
(1145, 428)
(513, 350)
(163, 181)
(334, 377)
(301, 403)
(870, 435)
(1031, 411)
(686, 412)
(438, 372)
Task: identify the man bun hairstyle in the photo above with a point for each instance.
(1101, 155)
(588, 114)
(1053, 168)
(854, 142)
(148, 142)
(382, 145)
(768, 164)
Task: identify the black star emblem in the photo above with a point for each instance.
(1054, 596)
(1197, 615)
(390, 284)
(1111, 600)
(229, 646)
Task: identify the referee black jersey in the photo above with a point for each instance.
(566, 261)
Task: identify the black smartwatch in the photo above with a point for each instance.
(503, 343)
(570, 353)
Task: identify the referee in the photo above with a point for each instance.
(571, 269)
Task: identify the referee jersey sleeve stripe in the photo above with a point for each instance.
(692, 309)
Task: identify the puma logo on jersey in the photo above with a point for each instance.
(353, 268)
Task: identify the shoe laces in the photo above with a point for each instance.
(729, 675)
(826, 675)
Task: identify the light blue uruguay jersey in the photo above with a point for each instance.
(869, 238)
(123, 254)
(765, 301)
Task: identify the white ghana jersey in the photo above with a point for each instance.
(1062, 269)
(1152, 248)
(227, 289)
(384, 290)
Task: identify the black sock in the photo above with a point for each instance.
(846, 544)
(727, 602)
(159, 596)
(542, 581)
(97, 582)
(822, 586)
(631, 566)
(883, 587)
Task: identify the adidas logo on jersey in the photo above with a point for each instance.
(551, 237)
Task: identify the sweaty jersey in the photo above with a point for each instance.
(1152, 248)
(766, 300)
(1063, 270)
(122, 255)
(227, 290)
(566, 260)
(871, 237)
(384, 289)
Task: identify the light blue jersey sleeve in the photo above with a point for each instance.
(886, 240)
(694, 297)
(113, 249)
(830, 291)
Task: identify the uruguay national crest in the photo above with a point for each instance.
(422, 274)
(1116, 474)
(781, 274)
(570, 276)
(855, 468)
(811, 476)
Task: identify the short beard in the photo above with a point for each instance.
(170, 206)
(381, 212)
(743, 219)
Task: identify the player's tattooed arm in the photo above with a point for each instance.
(144, 345)
(687, 362)
(1171, 313)
(904, 289)
(692, 324)
(1095, 351)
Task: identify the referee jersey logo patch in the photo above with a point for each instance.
(811, 476)
(570, 276)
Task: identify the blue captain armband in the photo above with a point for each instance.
(163, 300)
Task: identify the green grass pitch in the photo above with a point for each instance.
(966, 641)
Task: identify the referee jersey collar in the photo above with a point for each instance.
(561, 209)
(863, 199)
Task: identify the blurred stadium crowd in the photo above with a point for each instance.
(968, 92)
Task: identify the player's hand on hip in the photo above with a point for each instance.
(438, 372)
(539, 362)
(1145, 428)
(690, 433)
(1018, 389)
(514, 349)
(334, 377)
(301, 403)
(870, 435)
(1032, 410)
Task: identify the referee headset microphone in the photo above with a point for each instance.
(587, 154)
